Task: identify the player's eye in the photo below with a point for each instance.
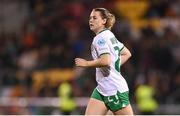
(94, 17)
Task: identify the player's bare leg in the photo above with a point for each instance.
(96, 107)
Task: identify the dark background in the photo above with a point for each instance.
(38, 37)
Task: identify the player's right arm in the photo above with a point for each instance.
(102, 61)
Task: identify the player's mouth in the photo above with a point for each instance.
(91, 25)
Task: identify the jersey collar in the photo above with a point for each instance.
(102, 31)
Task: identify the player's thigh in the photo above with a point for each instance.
(125, 111)
(96, 107)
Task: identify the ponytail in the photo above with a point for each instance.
(110, 21)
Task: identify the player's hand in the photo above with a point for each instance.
(81, 62)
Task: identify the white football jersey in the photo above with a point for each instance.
(109, 78)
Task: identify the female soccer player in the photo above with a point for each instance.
(112, 92)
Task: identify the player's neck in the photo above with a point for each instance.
(101, 30)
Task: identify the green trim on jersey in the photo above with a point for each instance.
(121, 49)
(118, 61)
(117, 65)
(114, 102)
(104, 53)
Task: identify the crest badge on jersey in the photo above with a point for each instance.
(101, 42)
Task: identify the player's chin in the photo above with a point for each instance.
(91, 28)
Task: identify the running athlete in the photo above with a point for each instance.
(112, 92)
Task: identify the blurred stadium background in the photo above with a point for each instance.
(39, 40)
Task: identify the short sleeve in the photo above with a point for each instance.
(121, 46)
(101, 46)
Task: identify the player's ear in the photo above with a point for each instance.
(104, 21)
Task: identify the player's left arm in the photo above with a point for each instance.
(125, 55)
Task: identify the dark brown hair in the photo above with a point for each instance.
(105, 14)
